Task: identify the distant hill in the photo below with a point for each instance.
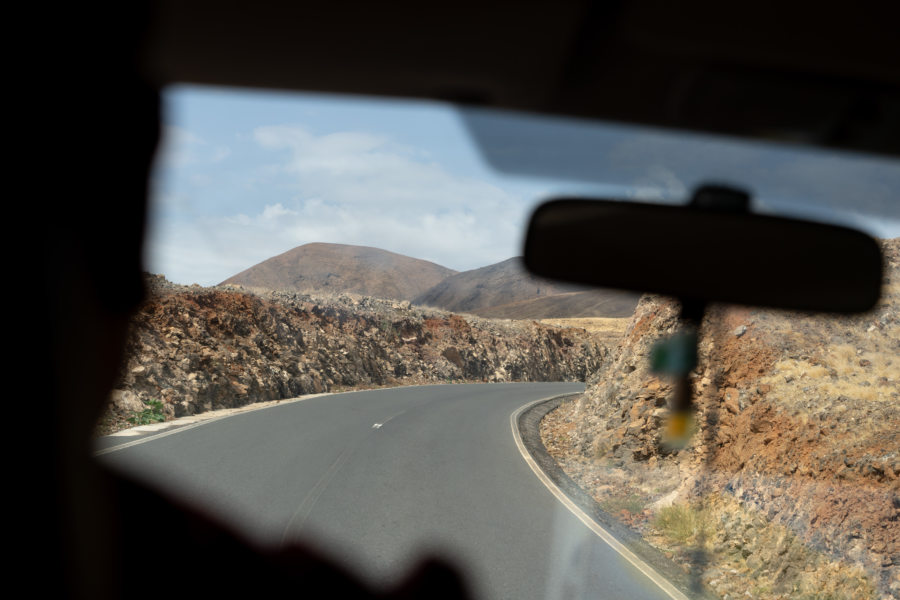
(588, 303)
(500, 283)
(337, 268)
(506, 290)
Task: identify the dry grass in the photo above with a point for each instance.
(684, 523)
(609, 330)
(593, 324)
(839, 375)
(746, 555)
(835, 361)
(632, 503)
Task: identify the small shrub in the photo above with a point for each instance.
(153, 413)
(387, 327)
(683, 522)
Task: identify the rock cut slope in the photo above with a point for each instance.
(197, 349)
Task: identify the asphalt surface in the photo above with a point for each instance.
(377, 478)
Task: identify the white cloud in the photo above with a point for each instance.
(658, 183)
(180, 148)
(276, 210)
(353, 188)
(358, 168)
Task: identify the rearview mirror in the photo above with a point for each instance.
(705, 254)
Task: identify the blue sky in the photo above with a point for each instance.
(242, 176)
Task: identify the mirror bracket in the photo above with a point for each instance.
(721, 198)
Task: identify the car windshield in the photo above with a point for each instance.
(341, 347)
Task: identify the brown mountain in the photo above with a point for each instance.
(337, 268)
(587, 303)
(507, 290)
(500, 283)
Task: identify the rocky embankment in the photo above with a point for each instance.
(790, 487)
(196, 349)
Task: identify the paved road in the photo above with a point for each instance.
(378, 477)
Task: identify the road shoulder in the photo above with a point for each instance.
(525, 423)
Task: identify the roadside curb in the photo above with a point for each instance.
(146, 433)
(525, 423)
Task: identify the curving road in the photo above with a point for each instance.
(378, 477)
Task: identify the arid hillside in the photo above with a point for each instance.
(194, 349)
(569, 305)
(500, 291)
(790, 486)
(341, 268)
(506, 290)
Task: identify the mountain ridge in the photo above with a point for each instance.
(499, 290)
(337, 268)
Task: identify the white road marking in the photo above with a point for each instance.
(385, 422)
(152, 437)
(603, 534)
(177, 425)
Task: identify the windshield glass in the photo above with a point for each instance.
(304, 245)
